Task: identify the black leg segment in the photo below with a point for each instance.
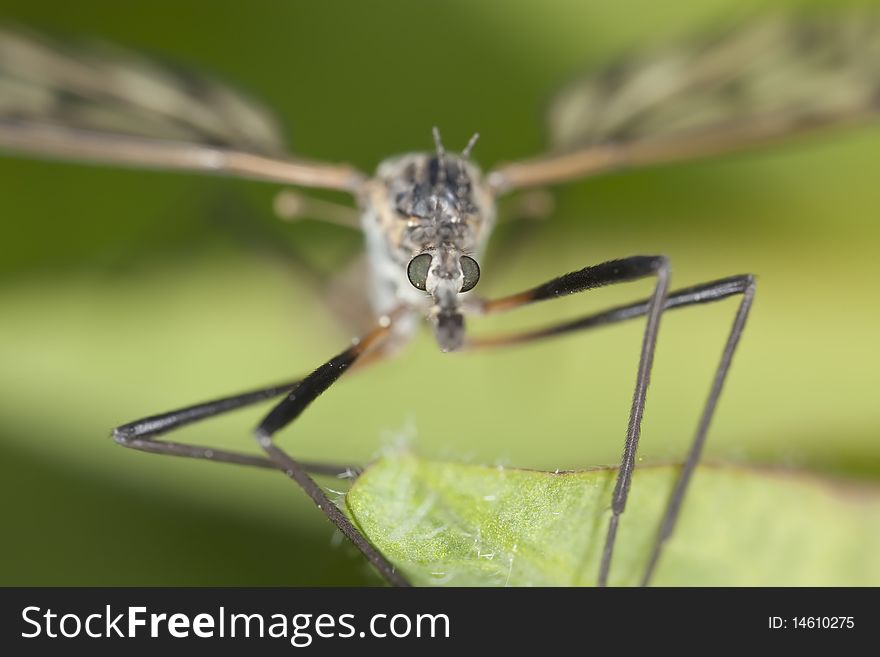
(290, 408)
(142, 434)
(619, 271)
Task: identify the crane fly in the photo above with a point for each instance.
(427, 216)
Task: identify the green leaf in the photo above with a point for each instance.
(469, 525)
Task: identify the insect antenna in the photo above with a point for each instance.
(462, 178)
(441, 156)
(466, 153)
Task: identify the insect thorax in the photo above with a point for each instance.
(414, 204)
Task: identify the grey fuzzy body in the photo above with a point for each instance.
(424, 203)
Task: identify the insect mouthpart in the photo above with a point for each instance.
(449, 330)
(444, 273)
(450, 275)
(444, 285)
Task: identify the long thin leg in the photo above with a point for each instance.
(688, 296)
(614, 271)
(291, 205)
(67, 143)
(143, 434)
(699, 294)
(673, 507)
(290, 408)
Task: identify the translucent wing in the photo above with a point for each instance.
(105, 104)
(751, 85)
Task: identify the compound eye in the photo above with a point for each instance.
(417, 270)
(471, 272)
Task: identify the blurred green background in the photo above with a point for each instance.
(125, 293)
